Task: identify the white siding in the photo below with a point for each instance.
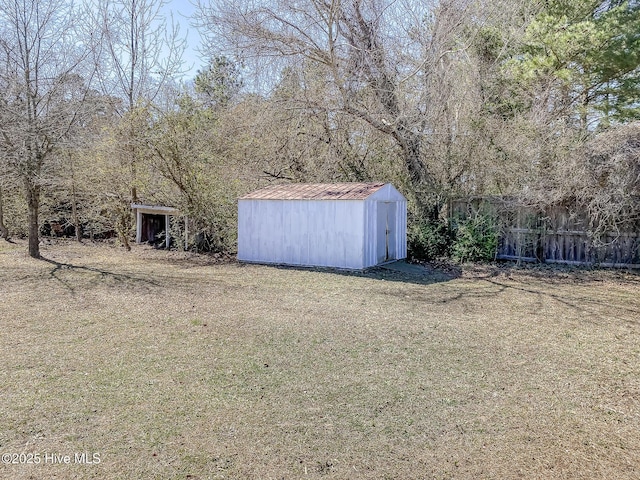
(326, 233)
(401, 227)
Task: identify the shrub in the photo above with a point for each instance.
(428, 240)
(476, 239)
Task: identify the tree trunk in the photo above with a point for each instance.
(74, 201)
(33, 205)
(385, 86)
(76, 222)
(4, 231)
(584, 112)
(410, 144)
(74, 214)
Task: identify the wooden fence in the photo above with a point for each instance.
(554, 235)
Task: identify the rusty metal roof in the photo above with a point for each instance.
(316, 191)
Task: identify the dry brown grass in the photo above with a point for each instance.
(175, 366)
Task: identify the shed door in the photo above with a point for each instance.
(386, 234)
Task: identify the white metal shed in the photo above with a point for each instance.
(343, 225)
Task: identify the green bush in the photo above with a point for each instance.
(476, 239)
(428, 240)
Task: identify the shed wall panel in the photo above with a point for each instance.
(301, 232)
(401, 234)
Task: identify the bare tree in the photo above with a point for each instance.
(138, 50)
(39, 53)
(392, 65)
(139, 53)
(348, 39)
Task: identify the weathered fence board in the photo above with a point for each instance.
(553, 236)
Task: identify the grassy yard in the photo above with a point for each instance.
(176, 366)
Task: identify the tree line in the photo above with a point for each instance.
(533, 100)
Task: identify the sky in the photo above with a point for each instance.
(182, 10)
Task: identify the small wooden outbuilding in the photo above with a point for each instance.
(342, 225)
(153, 221)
